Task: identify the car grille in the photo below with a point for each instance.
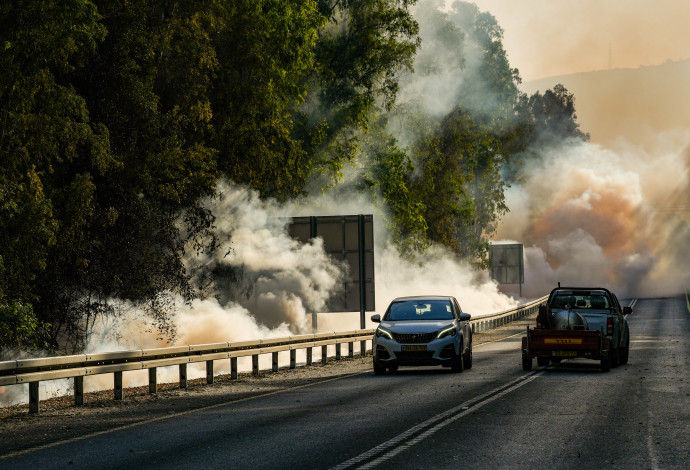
(414, 338)
(415, 357)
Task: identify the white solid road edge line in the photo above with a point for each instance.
(445, 418)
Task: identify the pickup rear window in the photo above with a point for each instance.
(588, 300)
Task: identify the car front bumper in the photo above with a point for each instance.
(441, 351)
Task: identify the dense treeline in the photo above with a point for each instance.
(118, 118)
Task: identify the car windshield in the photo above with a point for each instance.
(420, 310)
(581, 300)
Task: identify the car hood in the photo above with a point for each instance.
(416, 326)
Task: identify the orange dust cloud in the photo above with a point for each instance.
(591, 216)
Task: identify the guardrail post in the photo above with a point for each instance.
(274, 362)
(293, 358)
(233, 368)
(153, 380)
(309, 355)
(255, 364)
(117, 388)
(338, 355)
(183, 376)
(209, 372)
(363, 348)
(79, 390)
(351, 349)
(324, 354)
(33, 397)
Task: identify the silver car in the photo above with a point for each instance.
(422, 331)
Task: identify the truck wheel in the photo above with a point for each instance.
(526, 363)
(379, 369)
(543, 361)
(605, 364)
(615, 357)
(624, 354)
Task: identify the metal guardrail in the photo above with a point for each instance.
(33, 371)
(487, 322)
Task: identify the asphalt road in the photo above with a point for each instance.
(492, 416)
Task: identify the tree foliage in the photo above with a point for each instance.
(118, 118)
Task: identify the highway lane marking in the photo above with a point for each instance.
(653, 456)
(418, 433)
(175, 415)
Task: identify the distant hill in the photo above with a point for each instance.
(635, 104)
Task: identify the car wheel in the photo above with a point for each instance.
(543, 361)
(605, 364)
(379, 369)
(467, 360)
(526, 363)
(458, 363)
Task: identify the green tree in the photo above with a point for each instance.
(386, 174)
(554, 115)
(264, 49)
(147, 85)
(45, 127)
(461, 186)
(359, 56)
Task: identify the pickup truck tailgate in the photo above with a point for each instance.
(542, 340)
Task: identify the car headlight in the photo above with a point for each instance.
(445, 332)
(381, 332)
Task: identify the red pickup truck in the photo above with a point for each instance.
(579, 322)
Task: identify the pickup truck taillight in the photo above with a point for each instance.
(609, 326)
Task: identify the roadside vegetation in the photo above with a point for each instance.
(118, 118)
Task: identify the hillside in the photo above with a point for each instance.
(634, 104)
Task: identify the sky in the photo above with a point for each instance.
(545, 38)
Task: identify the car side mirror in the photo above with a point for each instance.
(465, 316)
(627, 311)
(376, 318)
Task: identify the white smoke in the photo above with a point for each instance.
(280, 279)
(439, 67)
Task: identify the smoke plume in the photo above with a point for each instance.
(592, 215)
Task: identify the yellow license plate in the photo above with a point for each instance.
(408, 347)
(565, 353)
(562, 340)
